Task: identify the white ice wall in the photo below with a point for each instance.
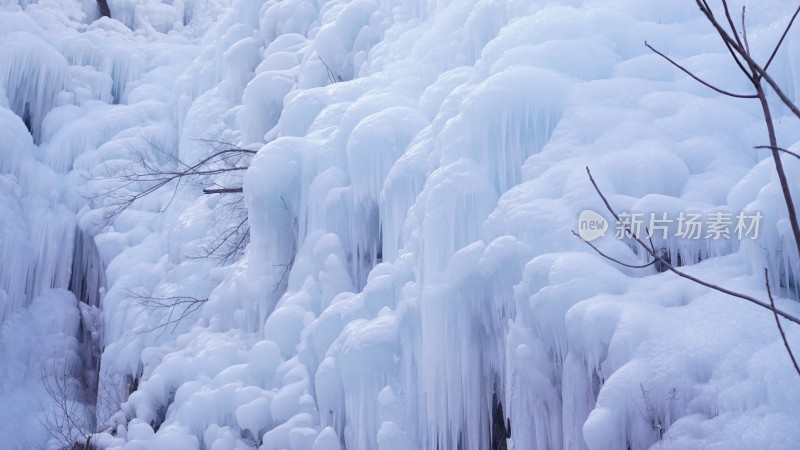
(458, 155)
(410, 251)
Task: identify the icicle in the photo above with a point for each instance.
(33, 74)
(87, 278)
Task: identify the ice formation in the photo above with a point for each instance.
(420, 166)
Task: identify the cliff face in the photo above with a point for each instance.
(403, 272)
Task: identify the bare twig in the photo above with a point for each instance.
(67, 418)
(223, 191)
(783, 38)
(758, 71)
(733, 27)
(230, 239)
(143, 171)
(656, 416)
(666, 264)
(287, 268)
(745, 44)
(224, 144)
(729, 18)
(144, 176)
(698, 79)
(632, 266)
(783, 150)
(186, 304)
(756, 74)
(332, 77)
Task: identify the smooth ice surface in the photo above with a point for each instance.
(420, 166)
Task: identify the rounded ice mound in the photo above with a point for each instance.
(255, 416)
(264, 358)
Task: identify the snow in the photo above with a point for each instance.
(419, 168)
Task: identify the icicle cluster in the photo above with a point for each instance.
(411, 280)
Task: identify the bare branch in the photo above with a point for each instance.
(214, 174)
(774, 85)
(745, 44)
(706, 9)
(778, 322)
(776, 156)
(632, 266)
(733, 52)
(769, 147)
(666, 264)
(332, 77)
(758, 71)
(66, 419)
(729, 18)
(698, 79)
(223, 191)
(187, 304)
(759, 74)
(231, 233)
(657, 416)
(783, 38)
(740, 48)
(738, 62)
(228, 145)
(143, 171)
(287, 268)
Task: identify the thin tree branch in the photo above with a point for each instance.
(746, 44)
(143, 177)
(706, 9)
(783, 37)
(287, 268)
(729, 18)
(67, 418)
(778, 322)
(759, 74)
(223, 144)
(696, 78)
(758, 71)
(769, 147)
(666, 264)
(776, 156)
(632, 266)
(230, 241)
(333, 78)
(739, 63)
(223, 191)
(774, 85)
(170, 304)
